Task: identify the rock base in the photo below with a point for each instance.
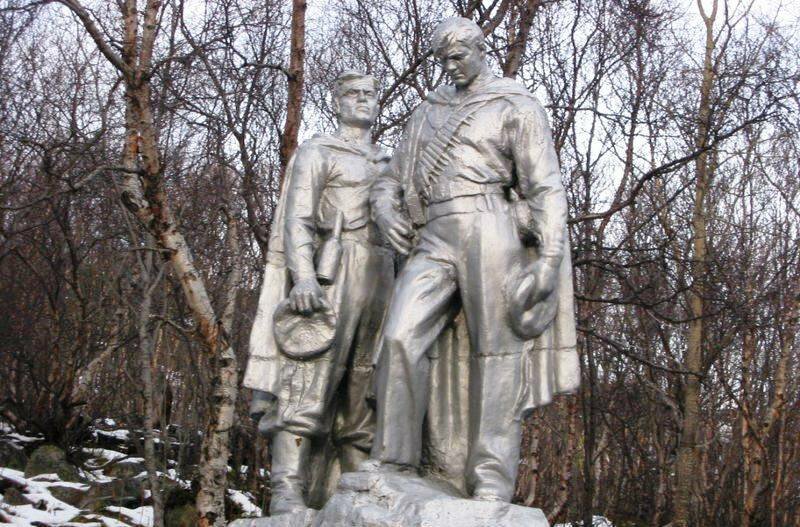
(400, 499)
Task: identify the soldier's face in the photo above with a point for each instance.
(358, 103)
(462, 63)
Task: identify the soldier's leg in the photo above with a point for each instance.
(495, 367)
(495, 427)
(354, 427)
(312, 384)
(421, 306)
(288, 477)
(310, 388)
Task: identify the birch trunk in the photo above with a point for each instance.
(146, 197)
(686, 470)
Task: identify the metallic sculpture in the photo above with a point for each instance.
(312, 342)
(473, 195)
(480, 326)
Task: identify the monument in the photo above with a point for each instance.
(480, 326)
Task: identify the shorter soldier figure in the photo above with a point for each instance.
(300, 401)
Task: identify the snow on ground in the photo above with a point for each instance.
(246, 501)
(108, 455)
(103, 521)
(94, 475)
(140, 516)
(597, 521)
(46, 508)
(8, 433)
(101, 456)
(136, 460)
(21, 438)
(175, 476)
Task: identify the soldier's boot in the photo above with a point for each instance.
(288, 477)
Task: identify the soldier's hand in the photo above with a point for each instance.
(397, 229)
(307, 296)
(546, 276)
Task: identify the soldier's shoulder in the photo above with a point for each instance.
(523, 105)
(319, 144)
(320, 140)
(516, 93)
(441, 95)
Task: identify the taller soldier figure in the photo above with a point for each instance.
(476, 176)
(301, 400)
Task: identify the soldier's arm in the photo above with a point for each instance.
(539, 184)
(302, 199)
(386, 194)
(386, 202)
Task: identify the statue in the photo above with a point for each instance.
(480, 326)
(313, 338)
(473, 196)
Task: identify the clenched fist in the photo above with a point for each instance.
(307, 296)
(397, 229)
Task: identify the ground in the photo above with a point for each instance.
(38, 486)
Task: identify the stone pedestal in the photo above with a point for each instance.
(400, 499)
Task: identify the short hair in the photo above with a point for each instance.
(351, 75)
(457, 30)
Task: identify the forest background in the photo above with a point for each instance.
(142, 145)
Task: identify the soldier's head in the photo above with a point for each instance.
(460, 48)
(355, 99)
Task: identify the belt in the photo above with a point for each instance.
(365, 234)
(467, 204)
(447, 190)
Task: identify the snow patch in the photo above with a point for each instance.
(46, 509)
(136, 460)
(141, 515)
(109, 455)
(22, 438)
(246, 501)
(597, 521)
(105, 521)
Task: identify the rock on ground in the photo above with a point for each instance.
(49, 459)
(401, 499)
(12, 455)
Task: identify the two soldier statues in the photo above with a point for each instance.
(432, 368)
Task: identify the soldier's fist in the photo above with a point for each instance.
(307, 296)
(397, 229)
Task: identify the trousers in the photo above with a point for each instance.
(461, 262)
(328, 393)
